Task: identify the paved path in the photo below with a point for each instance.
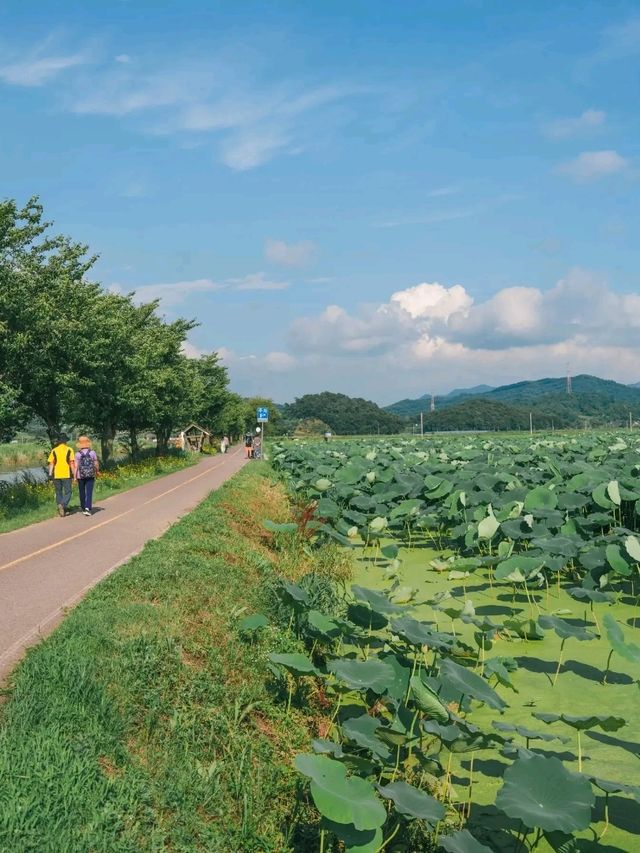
(48, 567)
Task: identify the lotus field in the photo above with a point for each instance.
(481, 676)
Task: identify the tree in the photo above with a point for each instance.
(42, 292)
(345, 415)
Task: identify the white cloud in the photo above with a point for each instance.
(173, 293)
(39, 66)
(432, 301)
(563, 128)
(290, 254)
(279, 361)
(252, 147)
(122, 58)
(191, 350)
(432, 338)
(257, 281)
(592, 165)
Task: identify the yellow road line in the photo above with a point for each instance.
(110, 520)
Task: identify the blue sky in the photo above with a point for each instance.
(375, 198)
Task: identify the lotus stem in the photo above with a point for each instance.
(606, 815)
(322, 834)
(606, 670)
(390, 838)
(579, 752)
(555, 677)
(595, 619)
(290, 695)
(397, 767)
(468, 808)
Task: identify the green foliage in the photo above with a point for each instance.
(73, 353)
(534, 528)
(344, 415)
(594, 402)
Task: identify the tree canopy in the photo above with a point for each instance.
(73, 353)
(344, 415)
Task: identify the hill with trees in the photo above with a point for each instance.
(593, 402)
(344, 415)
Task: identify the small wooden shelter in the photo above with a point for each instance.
(195, 437)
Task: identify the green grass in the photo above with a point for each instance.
(22, 504)
(144, 723)
(29, 454)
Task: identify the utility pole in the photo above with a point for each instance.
(421, 424)
(630, 421)
(531, 423)
(433, 403)
(569, 388)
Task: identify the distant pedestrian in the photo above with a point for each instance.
(224, 444)
(248, 445)
(87, 469)
(61, 470)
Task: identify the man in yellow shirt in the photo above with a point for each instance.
(62, 466)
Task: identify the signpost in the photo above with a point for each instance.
(262, 416)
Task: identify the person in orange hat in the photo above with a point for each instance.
(87, 469)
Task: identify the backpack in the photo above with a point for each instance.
(86, 466)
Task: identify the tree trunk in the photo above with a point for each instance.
(162, 441)
(106, 442)
(53, 431)
(133, 443)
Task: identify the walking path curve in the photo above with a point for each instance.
(48, 567)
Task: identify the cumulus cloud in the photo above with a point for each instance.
(290, 254)
(440, 335)
(592, 165)
(563, 128)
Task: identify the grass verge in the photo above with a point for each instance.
(28, 501)
(146, 722)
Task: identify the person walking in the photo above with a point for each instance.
(248, 445)
(87, 469)
(224, 444)
(61, 470)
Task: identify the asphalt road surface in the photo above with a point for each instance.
(48, 567)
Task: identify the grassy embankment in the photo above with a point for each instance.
(145, 722)
(26, 454)
(28, 501)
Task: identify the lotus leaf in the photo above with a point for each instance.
(376, 600)
(565, 629)
(615, 635)
(253, 622)
(489, 525)
(355, 841)
(295, 663)
(362, 730)
(542, 793)
(462, 842)
(372, 674)
(606, 723)
(412, 802)
(632, 546)
(466, 682)
(340, 799)
(616, 560)
(427, 700)
(519, 569)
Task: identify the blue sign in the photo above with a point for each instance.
(262, 414)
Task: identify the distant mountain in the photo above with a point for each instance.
(469, 392)
(635, 385)
(593, 401)
(410, 407)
